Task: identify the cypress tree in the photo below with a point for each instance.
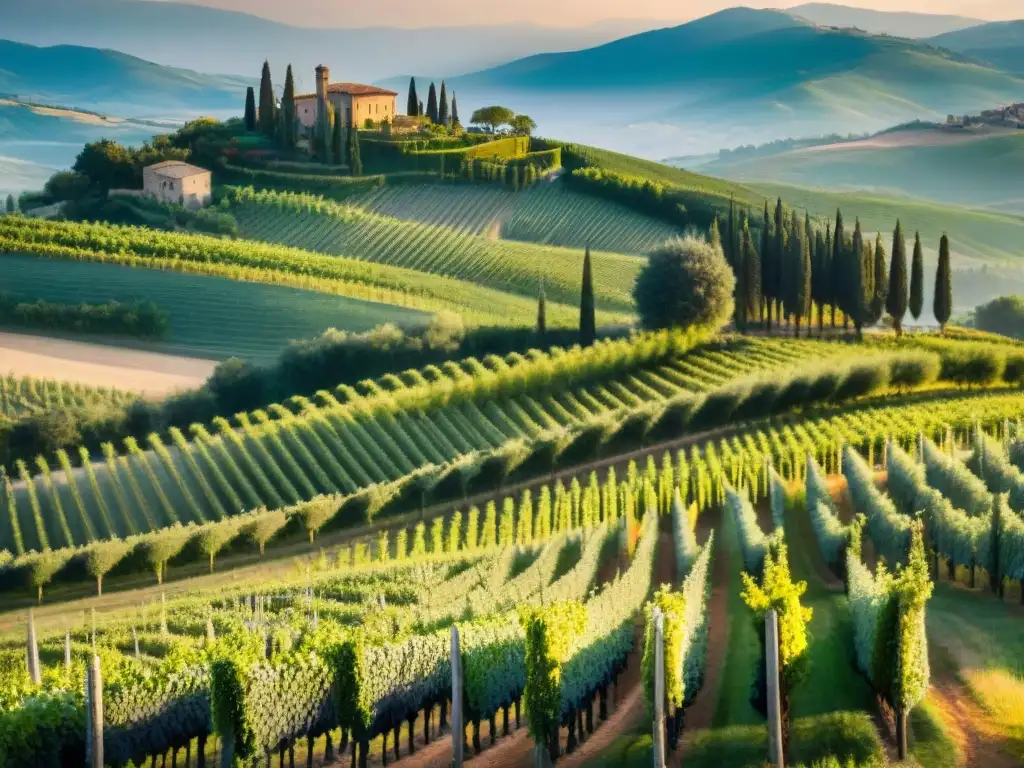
(779, 259)
(12, 206)
(419, 108)
(355, 162)
(818, 273)
(829, 291)
(840, 289)
(337, 140)
(413, 103)
(751, 261)
(732, 244)
(542, 317)
(879, 281)
(432, 104)
(267, 118)
(804, 276)
(943, 304)
(896, 301)
(767, 273)
(289, 137)
(716, 234)
(588, 320)
(857, 297)
(455, 110)
(917, 279)
(442, 107)
(250, 109)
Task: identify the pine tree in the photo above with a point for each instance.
(432, 104)
(288, 138)
(412, 105)
(442, 107)
(542, 317)
(943, 304)
(455, 110)
(337, 140)
(267, 118)
(588, 320)
(917, 279)
(355, 162)
(841, 290)
(250, 109)
(896, 301)
(767, 269)
(857, 298)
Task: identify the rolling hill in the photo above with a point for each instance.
(735, 77)
(108, 81)
(898, 23)
(36, 140)
(1000, 44)
(979, 168)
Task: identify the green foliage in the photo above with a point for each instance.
(551, 632)
(943, 295)
(102, 556)
(493, 117)
(672, 606)
(142, 319)
(1004, 315)
(686, 282)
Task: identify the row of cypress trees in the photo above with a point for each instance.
(797, 268)
(588, 308)
(331, 142)
(437, 106)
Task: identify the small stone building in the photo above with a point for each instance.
(177, 182)
(354, 103)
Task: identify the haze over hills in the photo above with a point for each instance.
(185, 35)
(1000, 43)
(736, 77)
(108, 81)
(899, 23)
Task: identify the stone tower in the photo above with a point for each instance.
(323, 78)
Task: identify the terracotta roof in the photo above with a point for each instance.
(353, 89)
(176, 169)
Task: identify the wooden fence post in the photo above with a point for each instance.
(771, 644)
(32, 650)
(67, 649)
(659, 689)
(94, 714)
(458, 726)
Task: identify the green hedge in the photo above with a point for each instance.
(142, 319)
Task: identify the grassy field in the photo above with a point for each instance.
(547, 213)
(316, 225)
(210, 317)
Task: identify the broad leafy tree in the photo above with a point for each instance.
(685, 282)
(522, 125)
(492, 117)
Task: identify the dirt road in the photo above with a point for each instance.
(149, 373)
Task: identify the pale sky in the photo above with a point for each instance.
(418, 13)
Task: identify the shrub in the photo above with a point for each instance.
(971, 365)
(863, 378)
(685, 282)
(913, 369)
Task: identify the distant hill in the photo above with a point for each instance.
(898, 23)
(35, 141)
(739, 76)
(108, 81)
(1001, 44)
(186, 35)
(978, 168)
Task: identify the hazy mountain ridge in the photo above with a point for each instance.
(186, 35)
(1000, 44)
(898, 23)
(113, 82)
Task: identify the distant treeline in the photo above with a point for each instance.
(141, 319)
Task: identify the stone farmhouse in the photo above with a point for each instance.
(174, 181)
(354, 103)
